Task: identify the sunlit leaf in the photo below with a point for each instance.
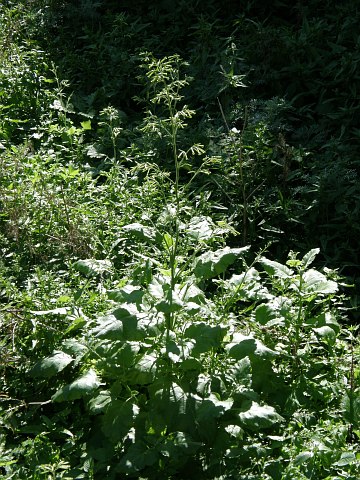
(309, 257)
(211, 264)
(316, 282)
(125, 323)
(276, 269)
(243, 346)
(86, 125)
(143, 232)
(255, 416)
(303, 457)
(91, 267)
(326, 333)
(248, 286)
(200, 228)
(126, 294)
(346, 458)
(212, 407)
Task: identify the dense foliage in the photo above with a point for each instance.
(179, 212)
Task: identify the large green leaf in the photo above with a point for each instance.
(125, 323)
(84, 385)
(255, 416)
(179, 443)
(127, 294)
(91, 267)
(50, 366)
(118, 419)
(326, 333)
(108, 327)
(276, 269)
(143, 232)
(99, 403)
(192, 293)
(309, 257)
(145, 369)
(265, 313)
(74, 348)
(211, 264)
(316, 282)
(241, 372)
(200, 228)
(170, 301)
(242, 346)
(273, 312)
(138, 456)
(324, 319)
(206, 336)
(247, 286)
(172, 406)
(116, 356)
(212, 407)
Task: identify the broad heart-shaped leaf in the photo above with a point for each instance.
(207, 414)
(242, 346)
(116, 356)
(211, 264)
(87, 383)
(351, 408)
(273, 312)
(143, 232)
(309, 257)
(108, 327)
(125, 323)
(91, 267)
(241, 372)
(50, 366)
(316, 282)
(171, 407)
(345, 459)
(276, 269)
(206, 336)
(127, 294)
(256, 417)
(179, 443)
(118, 419)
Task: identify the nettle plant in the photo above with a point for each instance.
(192, 369)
